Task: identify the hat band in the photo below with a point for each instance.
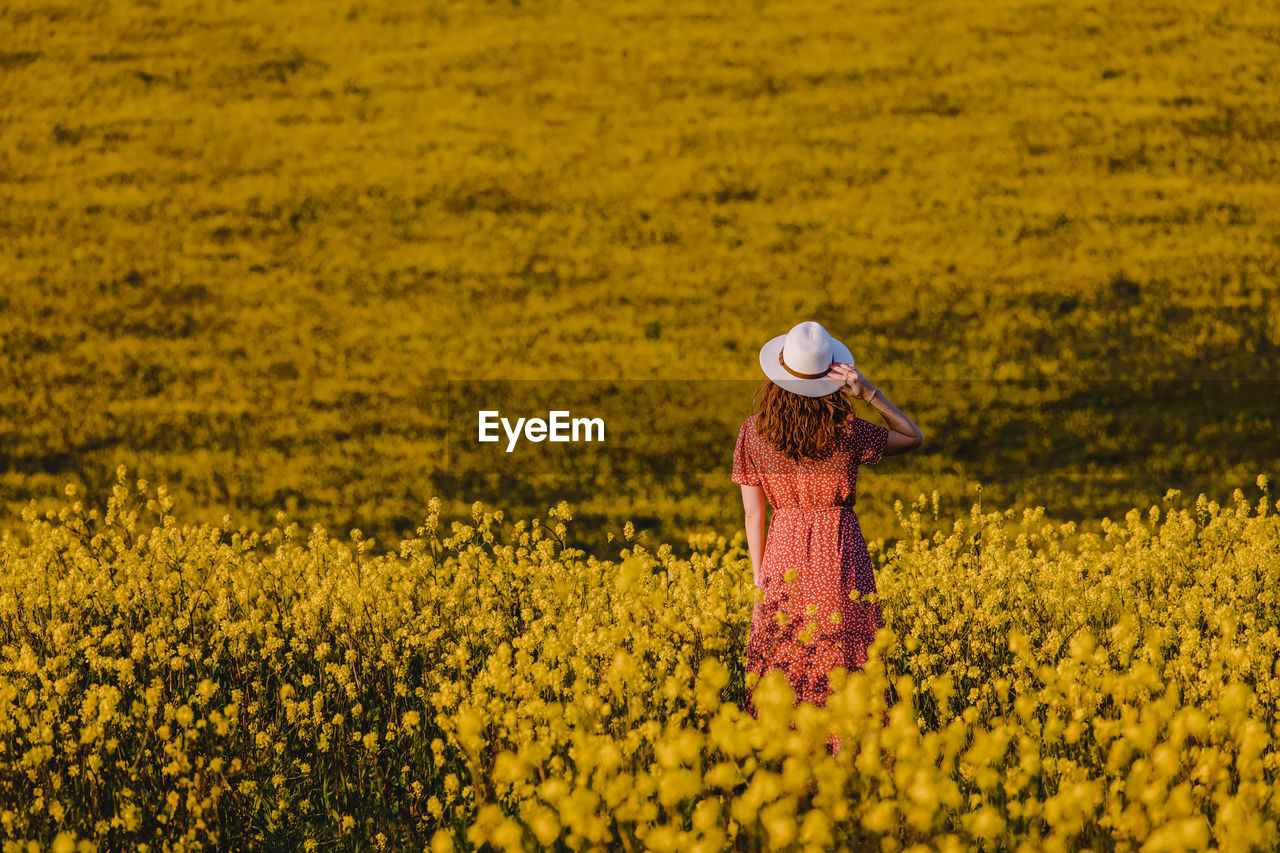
(797, 374)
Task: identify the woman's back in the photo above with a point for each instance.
(808, 483)
(817, 608)
(815, 565)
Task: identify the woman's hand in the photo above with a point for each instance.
(854, 382)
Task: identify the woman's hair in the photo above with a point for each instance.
(800, 426)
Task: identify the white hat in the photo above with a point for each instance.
(799, 360)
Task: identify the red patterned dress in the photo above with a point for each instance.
(814, 558)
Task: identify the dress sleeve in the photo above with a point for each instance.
(869, 442)
(744, 467)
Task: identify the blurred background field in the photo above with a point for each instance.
(249, 248)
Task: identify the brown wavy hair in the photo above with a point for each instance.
(798, 426)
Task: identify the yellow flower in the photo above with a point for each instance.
(546, 828)
(986, 823)
(879, 818)
(441, 842)
(778, 819)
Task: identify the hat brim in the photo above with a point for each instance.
(804, 387)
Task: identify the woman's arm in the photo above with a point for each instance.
(753, 505)
(903, 434)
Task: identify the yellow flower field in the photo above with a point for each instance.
(258, 589)
(167, 686)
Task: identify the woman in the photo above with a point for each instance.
(800, 452)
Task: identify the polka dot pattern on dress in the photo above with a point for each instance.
(815, 561)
